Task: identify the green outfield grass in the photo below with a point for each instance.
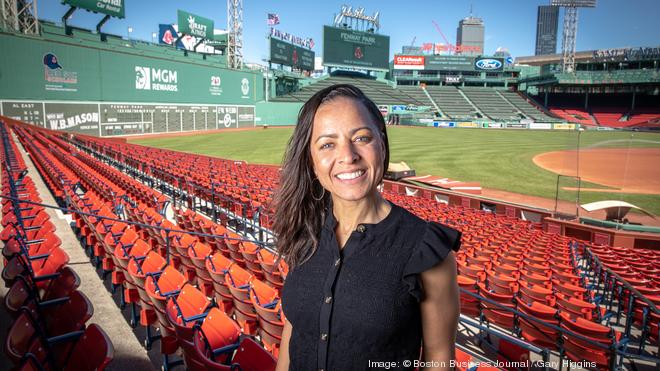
(500, 159)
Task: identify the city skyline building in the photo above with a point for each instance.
(547, 22)
(470, 36)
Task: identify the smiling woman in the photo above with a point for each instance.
(368, 280)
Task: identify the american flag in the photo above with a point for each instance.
(273, 19)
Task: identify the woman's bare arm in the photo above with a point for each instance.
(440, 311)
(283, 360)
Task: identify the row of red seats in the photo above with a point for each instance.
(140, 270)
(234, 179)
(49, 330)
(641, 269)
(574, 115)
(235, 183)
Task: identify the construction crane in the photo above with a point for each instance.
(412, 43)
(449, 45)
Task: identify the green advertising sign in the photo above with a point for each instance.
(343, 47)
(113, 8)
(291, 55)
(41, 70)
(448, 63)
(194, 25)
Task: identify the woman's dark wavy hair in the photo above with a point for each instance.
(299, 216)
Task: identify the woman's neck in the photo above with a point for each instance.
(369, 210)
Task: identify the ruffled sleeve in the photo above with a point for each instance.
(433, 248)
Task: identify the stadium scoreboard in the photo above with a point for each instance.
(285, 53)
(107, 119)
(348, 48)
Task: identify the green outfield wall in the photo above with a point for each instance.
(112, 90)
(277, 114)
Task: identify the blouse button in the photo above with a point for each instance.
(328, 299)
(361, 228)
(324, 337)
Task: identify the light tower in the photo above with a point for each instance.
(19, 16)
(235, 37)
(570, 29)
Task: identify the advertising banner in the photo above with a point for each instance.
(114, 8)
(408, 62)
(489, 64)
(467, 125)
(282, 52)
(194, 25)
(46, 71)
(79, 117)
(344, 47)
(515, 125)
(444, 124)
(453, 79)
(536, 125)
(564, 126)
(494, 125)
(448, 63)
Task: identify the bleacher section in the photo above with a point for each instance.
(611, 117)
(492, 104)
(528, 108)
(575, 115)
(416, 93)
(451, 102)
(378, 91)
(455, 103)
(544, 288)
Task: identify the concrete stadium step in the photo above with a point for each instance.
(129, 352)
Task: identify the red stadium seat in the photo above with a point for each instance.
(22, 293)
(238, 281)
(266, 302)
(250, 356)
(580, 350)
(159, 289)
(537, 332)
(218, 265)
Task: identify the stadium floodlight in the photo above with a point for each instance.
(569, 32)
(574, 3)
(19, 16)
(235, 33)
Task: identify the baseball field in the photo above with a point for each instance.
(613, 165)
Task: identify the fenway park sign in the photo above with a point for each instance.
(408, 62)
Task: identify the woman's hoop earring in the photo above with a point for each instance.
(322, 194)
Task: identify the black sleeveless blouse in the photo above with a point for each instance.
(358, 306)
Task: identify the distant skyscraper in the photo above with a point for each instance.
(470, 34)
(546, 29)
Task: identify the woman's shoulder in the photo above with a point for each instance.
(425, 233)
(407, 219)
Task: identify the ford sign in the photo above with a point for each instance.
(488, 64)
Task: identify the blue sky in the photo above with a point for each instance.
(509, 23)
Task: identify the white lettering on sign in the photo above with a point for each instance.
(148, 78)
